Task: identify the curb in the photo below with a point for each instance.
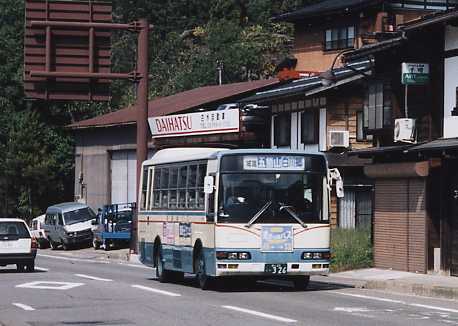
(414, 289)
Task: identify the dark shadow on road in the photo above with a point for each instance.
(14, 271)
(242, 285)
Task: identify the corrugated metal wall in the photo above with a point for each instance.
(400, 224)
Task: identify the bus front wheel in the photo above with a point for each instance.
(201, 274)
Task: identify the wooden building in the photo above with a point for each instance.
(415, 216)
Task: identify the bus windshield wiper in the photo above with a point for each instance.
(258, 214)
(291, 212)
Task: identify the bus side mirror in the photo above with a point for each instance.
(209, 184)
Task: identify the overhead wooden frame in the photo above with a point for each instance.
(67, 50)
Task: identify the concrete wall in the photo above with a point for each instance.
(92, 161)
(450, 81)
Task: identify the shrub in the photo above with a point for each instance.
(351, 249)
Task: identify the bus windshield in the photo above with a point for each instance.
(275, 197)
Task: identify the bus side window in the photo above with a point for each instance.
(144, 188)
(200, 186)
(191, 187)
(182, 175)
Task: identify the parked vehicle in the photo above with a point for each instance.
(68, 224)
(17, 246)
(38, 231)
(113, 226)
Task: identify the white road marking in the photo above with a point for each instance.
(42, 269)
(62, 286)
(371, 298)
(170, 294)
(23, 306)
(398, 302)
(95, 278)
(74, 259)
(433, 307)
(134, 265)
(351, 309)
(261, 314)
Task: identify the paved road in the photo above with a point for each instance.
(78, 291)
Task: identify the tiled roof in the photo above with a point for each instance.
(313, 85)
(181, 102)
(327, 7)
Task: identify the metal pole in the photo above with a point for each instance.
(142, 114)
(406, 108)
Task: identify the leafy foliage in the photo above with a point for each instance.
(351, 249)
(189, 39)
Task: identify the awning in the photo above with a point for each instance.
(314, 85)
(378, 151)
(436, 146)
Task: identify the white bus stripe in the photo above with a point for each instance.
(170, 294)
(94, 278)
(261, 314)
(23, 306)
(418, 305)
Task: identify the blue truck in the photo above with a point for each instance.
(113, 226)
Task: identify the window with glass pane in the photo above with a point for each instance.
(309, 127)
(182, 175)
(378, 106)
(282, 129)
(200, 186)
(144, 188)
(173, 187)
(340, 38)
(191, 197)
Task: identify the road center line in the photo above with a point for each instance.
(94, 278)
(418, 305)
(23, 306)
(170, 294)
(260, 314)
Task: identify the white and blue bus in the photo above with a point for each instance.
(222, 213)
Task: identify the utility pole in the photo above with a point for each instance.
(142, 114)
(220, 67)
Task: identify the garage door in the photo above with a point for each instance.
(123, 177)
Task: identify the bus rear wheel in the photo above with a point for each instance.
(162, 274)
(201, 274)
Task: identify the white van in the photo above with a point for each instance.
(38, 231)
(69, 224)
(17, 247)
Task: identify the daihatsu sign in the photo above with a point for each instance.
(201, 123)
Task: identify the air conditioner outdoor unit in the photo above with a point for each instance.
(404, 131)
(339, 138)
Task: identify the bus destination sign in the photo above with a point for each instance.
(274, 162)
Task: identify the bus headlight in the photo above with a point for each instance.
(225, 255)
(316, 255)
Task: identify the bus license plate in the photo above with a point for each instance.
(275, 268)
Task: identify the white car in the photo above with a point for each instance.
(38, 231)
(17, 246)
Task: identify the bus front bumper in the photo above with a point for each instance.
(227, 268)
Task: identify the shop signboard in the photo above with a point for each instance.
(415, 73)
(200, 123)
